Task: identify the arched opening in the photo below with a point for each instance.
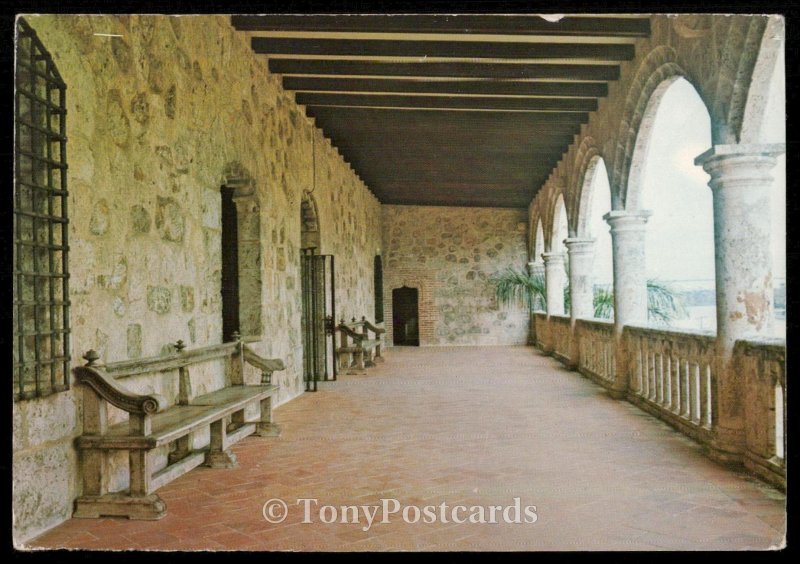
(537, 266)
(560, 233)
(598, 204)
(229, 242)
(377, 279)
(314, 279)
(405, 316)
(240, 252)
(538, 243)
(679, 245)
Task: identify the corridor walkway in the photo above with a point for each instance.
(465, 426)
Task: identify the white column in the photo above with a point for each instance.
(581, 288)
(630, 282)
(535, 268)
(740, 184)
(554, 277)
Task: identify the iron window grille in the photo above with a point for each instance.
(41, 277)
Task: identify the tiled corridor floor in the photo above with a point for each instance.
(466, 426)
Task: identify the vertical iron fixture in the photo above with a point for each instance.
(41, 350)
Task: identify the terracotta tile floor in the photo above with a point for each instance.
(471, 426)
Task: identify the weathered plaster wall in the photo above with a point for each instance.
(448, 254)
(155, 119)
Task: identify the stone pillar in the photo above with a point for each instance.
(740, 185)
(581, 288)
(535, 267)
(554, 277)
(630, 283)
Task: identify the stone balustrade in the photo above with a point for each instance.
(539, 322)
(675, 376)
(560, 336)
(672, 376)
(762, 365)
(596, 350)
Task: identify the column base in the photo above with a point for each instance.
(617, 394)
(147, 508)
(725, 452)
(220, 459)
(267, 430)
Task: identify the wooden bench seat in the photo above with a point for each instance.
(179, 420)
(356, 351)
(153, 423)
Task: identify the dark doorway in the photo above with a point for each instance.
(378, 280)
(405, 316)
(230, 266)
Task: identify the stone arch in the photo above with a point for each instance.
(761, 84)
(537, 248)
(535, 230)
(236, 176)
(586, 162)
(657, 70)
(559, 208)
(238, 180)
(553, 188)
(309, 223)
(743, 37)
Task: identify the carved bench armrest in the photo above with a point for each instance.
(350, 332)
(117, 395)
(266, 365)
(374, 328)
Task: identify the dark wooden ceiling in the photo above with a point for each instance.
(467, 110)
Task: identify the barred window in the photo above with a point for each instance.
(41, 291)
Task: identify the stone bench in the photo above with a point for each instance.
(154, 422)
(356, 351)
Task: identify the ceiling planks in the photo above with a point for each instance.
(469, 110)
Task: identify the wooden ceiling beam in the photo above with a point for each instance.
(613, 52)
(381, 117)
(451, 102)
(483, 87)
(519, 71)
(461, 24)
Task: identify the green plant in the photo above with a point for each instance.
(516, 286)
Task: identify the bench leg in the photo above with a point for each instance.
(183, 447)
(357, 367)
(368, 361)
(266, 427)
(378, 355)
(217, 456)
(138, 504)
(344, 361)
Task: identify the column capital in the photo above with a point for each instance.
(740, 166)
(719, 152)
(627, 220)
(579, 245)
(552, 258)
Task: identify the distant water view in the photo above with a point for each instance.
(698, 298)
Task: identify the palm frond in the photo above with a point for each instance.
(603, 302)
(517, 286)
(663, 303)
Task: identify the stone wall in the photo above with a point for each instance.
(449, 254)
(158, 119)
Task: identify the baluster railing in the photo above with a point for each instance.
(673, 374)
(762, 366)
(596, 347)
